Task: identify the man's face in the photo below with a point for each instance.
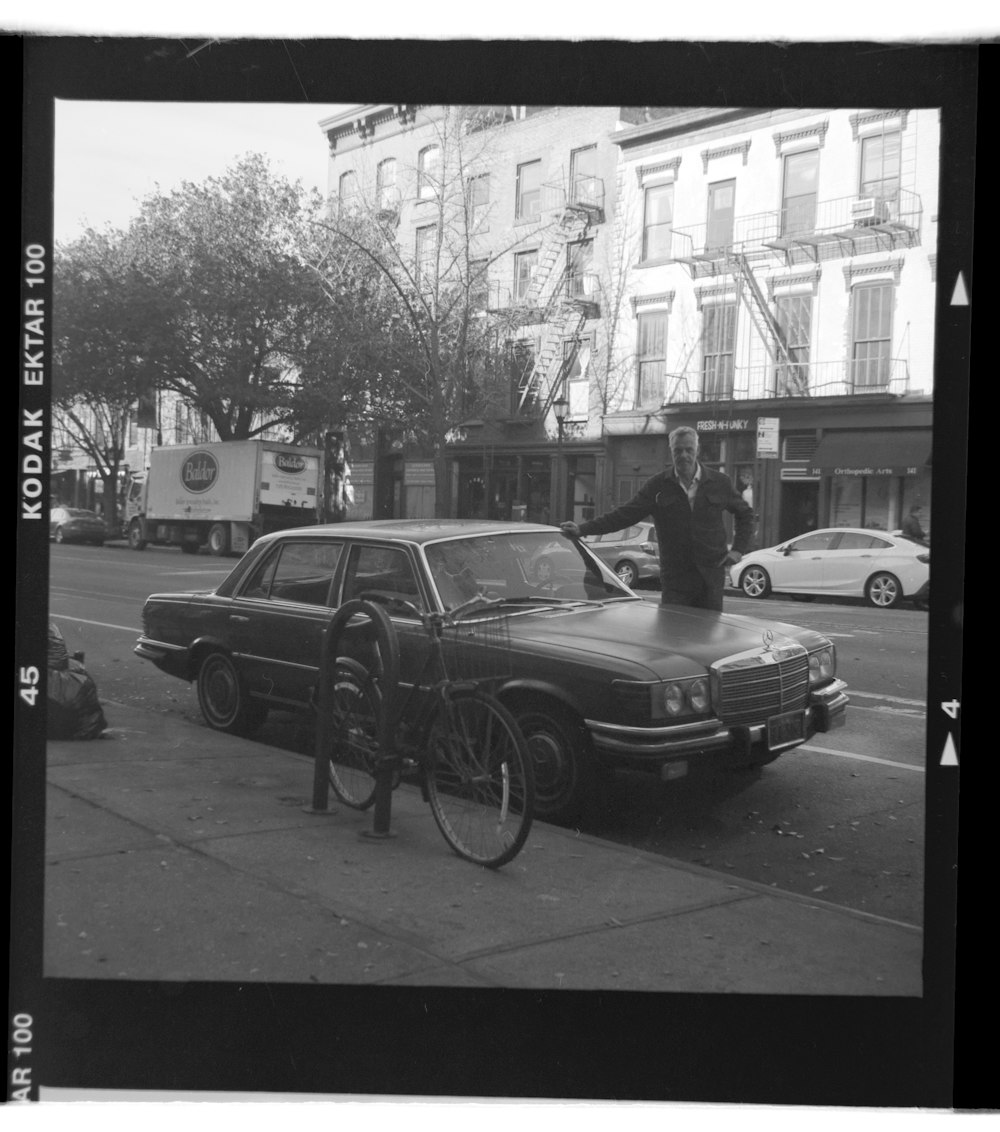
(684, 453)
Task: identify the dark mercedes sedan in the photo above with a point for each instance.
(597, 678)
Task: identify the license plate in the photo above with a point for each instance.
(789, 727)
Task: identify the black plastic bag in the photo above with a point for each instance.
(74, 708)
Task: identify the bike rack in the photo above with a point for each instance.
(329, 655)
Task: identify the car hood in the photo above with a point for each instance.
(666, 640)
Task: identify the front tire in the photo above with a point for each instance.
(755, 582)
(224, 700)
(135, 539)
(353, 732)
(60, 537)
(883, 591)
(627, 573)
(558, 746)
(479, 783)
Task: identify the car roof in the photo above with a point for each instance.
(417, 531)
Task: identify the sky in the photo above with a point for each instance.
(111, 155)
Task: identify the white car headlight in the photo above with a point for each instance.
(822, 665)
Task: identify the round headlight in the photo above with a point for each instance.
(821, 666)
(699, 695)
(673, 699)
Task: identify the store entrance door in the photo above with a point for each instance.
(799, 509)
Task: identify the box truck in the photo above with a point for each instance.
(222, 495)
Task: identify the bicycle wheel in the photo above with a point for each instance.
(479, 779)
(355, 709)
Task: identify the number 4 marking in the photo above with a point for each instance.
(950, 708)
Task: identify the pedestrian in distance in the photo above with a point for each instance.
(686, 502)
(911, 525)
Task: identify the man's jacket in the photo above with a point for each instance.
(689, 536)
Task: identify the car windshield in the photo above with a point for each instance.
(536, 566)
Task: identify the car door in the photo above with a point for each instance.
(278, 616)
(852, 562)
(801, 565)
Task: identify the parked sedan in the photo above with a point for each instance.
(596, 677)
(74, 524)
(882, 568)
(633, 554)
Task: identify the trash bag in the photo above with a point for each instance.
(74, 708)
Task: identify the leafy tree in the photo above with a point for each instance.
(97, 365)
(228, 304)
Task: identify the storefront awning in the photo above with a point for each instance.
(904, 452)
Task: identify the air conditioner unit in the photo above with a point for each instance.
(869, 210)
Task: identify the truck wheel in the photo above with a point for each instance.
(218, 539)
(224, 700)
(135, 539)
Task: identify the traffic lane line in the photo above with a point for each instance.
(100, 624)
(860, 758)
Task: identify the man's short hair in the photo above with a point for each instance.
(682, 433)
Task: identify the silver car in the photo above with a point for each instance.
(633, 554)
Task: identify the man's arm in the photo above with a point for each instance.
(637, 508)
(743, 528)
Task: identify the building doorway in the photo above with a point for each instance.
(799, 508)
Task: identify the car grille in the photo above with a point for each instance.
(752, 688)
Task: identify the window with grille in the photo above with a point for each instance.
(529, 190)
(428, 171)
(581, 280)
(657, 221)
(718, 340)
(651, 359)
(576, 390)
(880, 166)
(794, 317)
(798, 199)
(871, 335)
(584, 187)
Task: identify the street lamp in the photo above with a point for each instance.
(560, 406)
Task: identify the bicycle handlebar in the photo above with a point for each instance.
(431, 618)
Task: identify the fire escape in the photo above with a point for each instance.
(559, 297)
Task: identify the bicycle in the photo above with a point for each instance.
(473, 764)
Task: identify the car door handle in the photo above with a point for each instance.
(240, 618)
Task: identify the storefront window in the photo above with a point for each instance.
(846, 497)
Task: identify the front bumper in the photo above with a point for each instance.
(710, 741)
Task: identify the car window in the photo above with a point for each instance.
(383, 570)
(297, 571)
(855, 540)
(819, 540)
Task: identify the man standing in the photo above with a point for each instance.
(911, 525)
(686, 502)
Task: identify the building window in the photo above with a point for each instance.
(529, 191)
(524, 272)
(385, 184)
(871, 334)
(721, 211)
(477, 190)
(657, 218)
(478, 284)
(798, 198)
(580, 280)
(794, 316)
(584, 185)
(347, 191)
(426, 254)
(428, 172)
(880, 166)
(576, 387)
(718, 339)
(651, 359)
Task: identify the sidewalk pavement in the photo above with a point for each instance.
(174, 852)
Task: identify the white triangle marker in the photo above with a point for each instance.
(960, 297)
(950, 756)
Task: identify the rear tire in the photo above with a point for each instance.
(479, 782)
(353, 733)
(627, 573)
(60, 537)
(883, 590)
(223, 698)
(755, 582)
(218, 539)
(135, 539)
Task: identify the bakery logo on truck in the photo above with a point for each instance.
(199, 472)
(289, 462)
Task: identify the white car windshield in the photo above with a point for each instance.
(529, 567)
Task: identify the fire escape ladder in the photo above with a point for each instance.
(570, 329)
(767, 326)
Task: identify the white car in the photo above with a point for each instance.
(882, 567)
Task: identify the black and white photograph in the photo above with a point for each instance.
(475, 628)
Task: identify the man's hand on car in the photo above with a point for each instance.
(570, 529)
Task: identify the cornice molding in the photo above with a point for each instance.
(708, 155)
(658, 167)
(817, 131)
(871, 117)
(796, 279)
(661, 299)
(885, 267)
(720, 293)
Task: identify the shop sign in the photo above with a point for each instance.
(419, 473)
(767, 437)
(725, 425)
(869, 470)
